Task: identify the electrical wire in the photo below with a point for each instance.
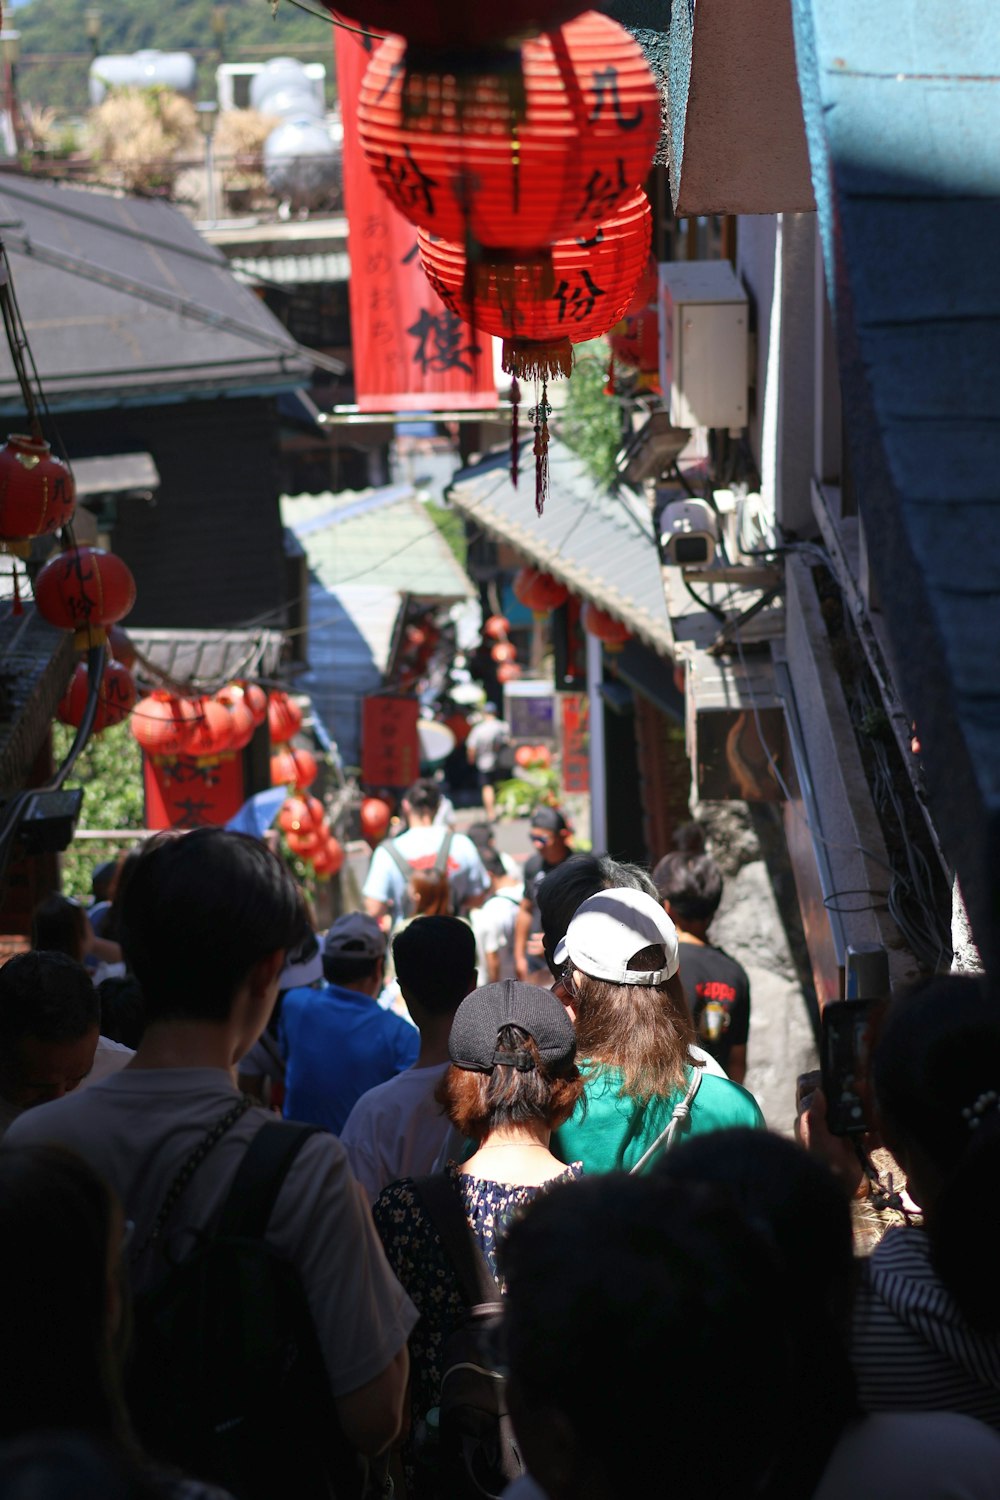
(378, 36)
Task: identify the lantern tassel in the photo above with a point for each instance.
(533, 359)
(515, 431)
(17, 608)
(610, 388)
(540, 416)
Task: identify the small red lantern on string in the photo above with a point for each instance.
(524, 755)
(84, 589)
(241, 720)
(212, 734)
(37, 491)
(115, 700)
(374, 816)
(497, 628)
(163, 724)
(296, 768)
(256, 700)
(504, 651)
(328, 861)
(300, 814)
(539, 591)
(611, 631)
(284, 718)
(305, 842)
(509, 672)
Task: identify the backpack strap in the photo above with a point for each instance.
(266, 1163)
(443, 1207)
(441, 862)
(679, 1114)
(399, 860)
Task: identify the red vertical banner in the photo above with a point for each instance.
(390, 743)
(182, 792)
(410, 352)
(573, 714)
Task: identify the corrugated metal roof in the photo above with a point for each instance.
(292, 270)
(601, 546)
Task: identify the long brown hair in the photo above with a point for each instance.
(643, 1030)
(430, 894)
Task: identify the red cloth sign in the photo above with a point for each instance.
(574, 715)
(410, 352)
(390, 744)
(182, 792)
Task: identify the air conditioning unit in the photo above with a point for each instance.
(703, 344)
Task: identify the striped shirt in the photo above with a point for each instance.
(912, 1350)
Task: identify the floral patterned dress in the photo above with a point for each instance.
(420, 1261)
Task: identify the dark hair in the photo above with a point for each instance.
(349, 971)
(481, 834)
(477, 1103)
(199, 912)
(569, 884)
(937, 1056)
(692, 883)
(492, 863)
(424, 797)
(665, 1280)
(48, 996)
(689, 838)
(804, 1211)
(58, 1371)
(435, 959)
(642, 1030)
(59, 926)
(123, 1010)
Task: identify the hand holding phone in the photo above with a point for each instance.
(844, 1063)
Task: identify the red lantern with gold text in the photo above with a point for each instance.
(84, 589)
(539, 591)
(496, 627)
(516, 180)
(609, 630)
(504, 651)
(509, 672)
(115, 700)
(284, 718)
(163, 724)
(374, 815)
(37, 492)
(296, 768)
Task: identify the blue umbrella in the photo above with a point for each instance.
(258, 813)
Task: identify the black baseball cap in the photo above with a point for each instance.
(481, 1016)
(549, 818)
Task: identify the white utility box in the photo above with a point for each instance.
(703, 343)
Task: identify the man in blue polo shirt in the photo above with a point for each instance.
(338, 1042)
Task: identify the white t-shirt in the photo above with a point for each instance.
(396, 1129)
(138, 1127)
(484, 740)
(419, 847)
(493, 924)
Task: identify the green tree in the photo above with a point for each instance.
(110, 772)
(590, 422)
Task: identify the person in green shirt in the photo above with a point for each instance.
(633, 1032)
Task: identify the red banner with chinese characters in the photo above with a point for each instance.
(410, 352)
(182, 792)
(574, 720)
(390, 744)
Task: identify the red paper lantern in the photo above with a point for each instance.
(329, 859)
(37, 492)
(305, 842)
(212, 734)
(635, 342)
(163, 724)
(296, 768)
(524, 755)
(301, 814)
(115, 700)
(509, 672)
(613, 632)
(120, 645)
(541, 755)
(256, 700)
(496, 627)
(284, 718)
(242, 724)
(458, 29)
(540, 314)
(539, 591)
(504, 651)
(516, 180)
(84, 589)
(375, 815)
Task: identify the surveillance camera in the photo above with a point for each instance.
(688, 535)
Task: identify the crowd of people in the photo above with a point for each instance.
(467, 1196)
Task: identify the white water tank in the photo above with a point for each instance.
(293, 103)
(279, 73)
(171, 70)
(301, 162)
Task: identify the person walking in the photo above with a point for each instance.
(483, 748)
(425, 849)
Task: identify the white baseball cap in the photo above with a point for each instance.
(610, 928)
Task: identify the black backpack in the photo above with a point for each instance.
(226, 1378)
(476, 1453)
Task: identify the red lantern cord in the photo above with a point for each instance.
(515, 431)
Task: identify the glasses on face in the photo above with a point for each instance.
(541, 839)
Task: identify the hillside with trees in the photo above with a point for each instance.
(56, 50)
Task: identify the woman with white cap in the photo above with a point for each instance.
(633, 1032)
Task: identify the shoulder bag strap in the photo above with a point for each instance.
(188, 1169)
(441, 862)
(443, 1207)
(679, 1114)
(398, 858)
(259, 1178)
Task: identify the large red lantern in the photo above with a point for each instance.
(84, 589)
(164, 724)
(296, 768)
(504, 651)
(37, 492)
(539, 591)
(284, 718)
(115, 700)
(611, 631)
(374, 815)
(516, 180)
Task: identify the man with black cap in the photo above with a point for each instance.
(551, 837)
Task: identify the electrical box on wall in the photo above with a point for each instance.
(703, 343)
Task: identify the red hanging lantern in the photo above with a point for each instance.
(241, 720)
(84, 589)
(37, 491)
(635, 342)
(513, 179)
(504, 651)
(611, 631)
(284, 718)
(296, 768)
(212, 734)
(163, 724)
(509, 672)
(496, 627)
(256, 700)
(299, 814)
(329, 859)
(523, 755)
(115, 700)
(539, 591)
(121, 647)
(374, 816)
(305, 842)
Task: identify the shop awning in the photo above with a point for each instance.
(602, 546)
